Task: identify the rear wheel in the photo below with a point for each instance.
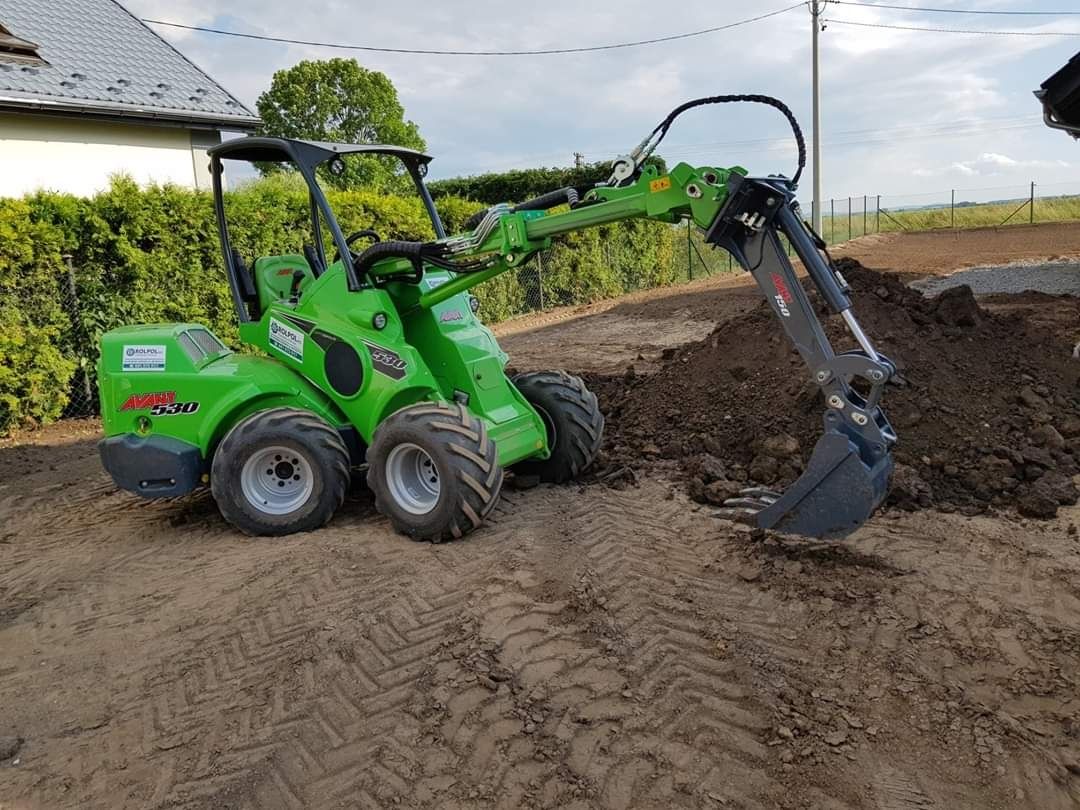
(571, 415)
(280, 471)
(434, 471)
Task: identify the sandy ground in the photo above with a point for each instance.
(590, 648)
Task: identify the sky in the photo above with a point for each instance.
(908, 115)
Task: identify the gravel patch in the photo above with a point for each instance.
(1055, 278)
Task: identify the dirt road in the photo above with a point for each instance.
(591, 648)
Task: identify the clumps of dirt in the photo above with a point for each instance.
(987, 406)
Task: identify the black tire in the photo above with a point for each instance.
(573, 420)
(313, 446)
(465, 463)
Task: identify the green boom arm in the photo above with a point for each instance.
(508, 239)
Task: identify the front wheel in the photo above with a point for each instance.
(434, 471)
(573, 421)
(280, 471)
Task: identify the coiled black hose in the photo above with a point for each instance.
(663, 127)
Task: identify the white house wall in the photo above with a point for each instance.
(79, 156)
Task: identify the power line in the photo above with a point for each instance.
(990, 124)
(429, 52)
(873, 137)
(831, 21)
(957, 10)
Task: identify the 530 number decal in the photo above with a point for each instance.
(174, 408)
(160, 403)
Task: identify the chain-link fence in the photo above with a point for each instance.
(83, 396)
(991, 206)
(575, 272)
(541, 284)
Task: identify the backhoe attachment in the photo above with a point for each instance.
(847, 476)
(848, 473)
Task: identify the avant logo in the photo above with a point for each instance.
(160, 403)
(783, 295)
(140, 402)
(451, 315)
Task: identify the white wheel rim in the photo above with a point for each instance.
(277, 480)
(412, 478)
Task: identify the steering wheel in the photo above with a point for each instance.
(366, 232)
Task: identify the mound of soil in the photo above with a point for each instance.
(987, 407)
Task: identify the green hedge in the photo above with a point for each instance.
(143, 255)
(518, 185)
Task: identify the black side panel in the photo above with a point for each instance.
(152, 466)
(344, 371)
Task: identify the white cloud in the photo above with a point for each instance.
(901, 92)
(992, 164)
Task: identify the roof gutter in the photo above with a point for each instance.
(115, 112)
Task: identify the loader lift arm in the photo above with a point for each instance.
(848, 473)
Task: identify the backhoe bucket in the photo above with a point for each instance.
(834, 496)
(848, 474)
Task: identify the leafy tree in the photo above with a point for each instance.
(338, 100)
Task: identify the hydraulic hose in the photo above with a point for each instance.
(541, 203)
(648, 146)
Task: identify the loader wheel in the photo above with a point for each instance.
(280, 471)
(573, 420)
(434, 471)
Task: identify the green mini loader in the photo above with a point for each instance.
(373, 358)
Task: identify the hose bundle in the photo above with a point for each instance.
(648, 146)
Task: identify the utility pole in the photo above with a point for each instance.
(579, 160)
(817, 7)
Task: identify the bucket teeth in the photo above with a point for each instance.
(745, 508)
(836, 494)
(762, 493)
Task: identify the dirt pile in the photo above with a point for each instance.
(987, 407)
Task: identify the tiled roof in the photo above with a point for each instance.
(100, 59)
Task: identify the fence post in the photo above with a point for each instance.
(540, 278)
(1031, 219)
(877, 223)
(76, 318)
(832, 220)
(689, 255)
(849, 218)
(864, 215)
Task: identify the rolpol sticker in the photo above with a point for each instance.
(286, 339)
(144, 358)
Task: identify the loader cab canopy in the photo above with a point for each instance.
(256, 278)
(1060, 97)
(310, 154)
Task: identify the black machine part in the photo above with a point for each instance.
(152, 466)
(848, 473)
(1060, 97)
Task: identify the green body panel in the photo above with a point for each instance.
(227, 387)
(433, 354)
(430, 348)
